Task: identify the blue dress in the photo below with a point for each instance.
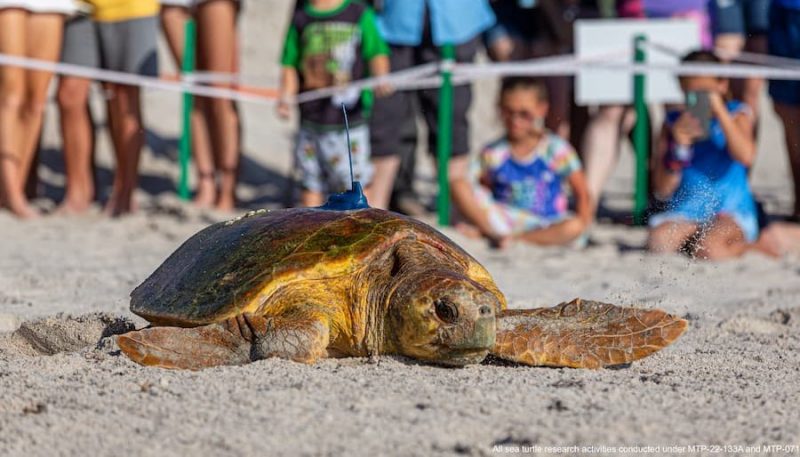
(712, 184)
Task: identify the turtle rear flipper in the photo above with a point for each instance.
(185, 348)
(235, 341)
(583, 334)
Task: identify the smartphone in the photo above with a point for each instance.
(698, 104)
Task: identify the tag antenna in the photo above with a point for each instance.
(349, 150)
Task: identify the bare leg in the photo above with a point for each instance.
(474, 217)
(43, 41)
(310, 199)
(217, 39)
(12, 99)
(555, 235)
(723, 240)
(463, 196)
(173, 21)
(670, 236)
(779, 238)
(790, 115)
(380, 189)
(77, 132)
(600, 149)
(558, 117)
(125, 114)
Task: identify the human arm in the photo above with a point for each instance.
(738, 129)
(375, 50)
(580, 192)
(379, 66)
(290, 78)
(665, 179)
(290, 85)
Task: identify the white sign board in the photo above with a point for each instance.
(613, 40)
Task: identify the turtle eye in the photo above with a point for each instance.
(446, 310)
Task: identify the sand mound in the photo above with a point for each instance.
(61, 333)
(776, 322)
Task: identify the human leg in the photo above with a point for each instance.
(790, 117)
(77, 133)
(217, 46)
(393, 140)
(724, 239)
(379, 191)
(670, 236)
(173, 23)
(125, 110)
(12, 98)
(600, 149)
(784, 41)
(43, 42)
(80, 47)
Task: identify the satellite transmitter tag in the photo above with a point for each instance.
(354, 198)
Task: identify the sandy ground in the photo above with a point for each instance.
(733, 379)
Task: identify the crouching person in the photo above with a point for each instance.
(700, 169)
(517, 185)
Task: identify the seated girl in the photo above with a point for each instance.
(517, 190)
(702, 173)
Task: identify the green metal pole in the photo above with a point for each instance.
(640, 134)
(444, 140)
(185, 153)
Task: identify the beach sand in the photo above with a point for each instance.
(732, 379)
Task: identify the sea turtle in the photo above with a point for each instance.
(306, 284)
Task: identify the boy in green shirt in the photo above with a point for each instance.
(330, 43)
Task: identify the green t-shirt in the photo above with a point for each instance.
(332, 48)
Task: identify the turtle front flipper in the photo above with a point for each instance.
(583, 334)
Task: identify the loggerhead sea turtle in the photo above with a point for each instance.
(306, 284)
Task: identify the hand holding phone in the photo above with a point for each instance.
(698, 104)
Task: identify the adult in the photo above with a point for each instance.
(784, 41)
(120, 36)
(528, 29)
(611, 123)
(215, 122)
(415, 31)
(27, 29)
(741, 25)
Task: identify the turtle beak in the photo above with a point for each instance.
(471, 340)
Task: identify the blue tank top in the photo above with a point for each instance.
(711, 158)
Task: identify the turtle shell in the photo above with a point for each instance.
(224, 269)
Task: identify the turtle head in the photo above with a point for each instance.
(443, 317)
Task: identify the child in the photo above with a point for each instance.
(327, 44)
(705, 180)
(518, 181)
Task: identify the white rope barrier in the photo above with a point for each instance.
(130, 79)
(427, 76)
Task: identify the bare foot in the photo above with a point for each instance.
(72, 208)
(501, 242)
(468, 230)
(22, 210)
(206, 191)
(121, 205)
(226, 203)
(779, 238)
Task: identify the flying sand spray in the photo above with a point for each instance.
(354, 198)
